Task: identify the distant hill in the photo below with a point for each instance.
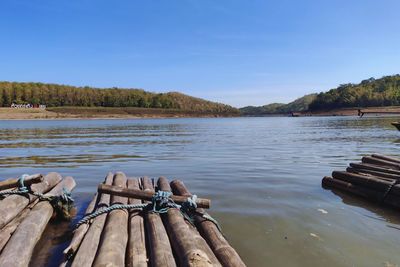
(300, 104)
(369, 93)
(55, 95)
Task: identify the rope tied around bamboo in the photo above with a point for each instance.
(62, 203)
(389, 189)
(160, 203)
(21, 190)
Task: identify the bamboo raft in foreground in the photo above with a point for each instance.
(376, 178)
(26, 206)
(162, 233)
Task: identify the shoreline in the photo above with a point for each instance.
(79, 113)
(347, 112)
(11, 114)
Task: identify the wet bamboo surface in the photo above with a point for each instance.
(210, 232)
(160, 250)
(12, 205)
(87, 249)
(376, 177)
(143, 238)
(26, 217)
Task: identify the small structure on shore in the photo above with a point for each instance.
(27, 106)
(140, 222)
(379, 110)
(376, 178)
(26, 206)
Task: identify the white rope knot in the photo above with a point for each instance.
(192, 201)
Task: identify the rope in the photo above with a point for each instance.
(21, 180)
(161, 203)
(21, 190)
(62, 203)
(99, 212)
(389, 189)
(189, 211)
(211, 219)
(12, 192)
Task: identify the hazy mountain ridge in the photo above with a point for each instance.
(300, 104)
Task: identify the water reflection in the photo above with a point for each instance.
(381, 212)
(63, 161)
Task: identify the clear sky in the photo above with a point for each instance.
(238, 52)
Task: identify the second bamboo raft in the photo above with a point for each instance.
(376, 178)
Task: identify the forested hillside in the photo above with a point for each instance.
(369, 93)
(300, 104)
(54, 95)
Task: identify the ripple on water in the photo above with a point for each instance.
(262, 174)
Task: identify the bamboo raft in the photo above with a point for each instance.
(397, 125)
(26, 206)
(376, 178)
(144, 226)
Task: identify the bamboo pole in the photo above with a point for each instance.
(380, 162)
(80, 232)
(8, 230)
(114, 238)
(371, 182)
(12, 205)
(360, 191)
(226, 255)
(190, 248)
(366, 166)
(14, 182)
(381, 175)
(159, 245)
(86, 253)
(136, 255)
(363, 180)
(19, 248)
(387, 158)
(133, 193)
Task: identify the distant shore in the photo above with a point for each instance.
(389, 110)
(100, 113)
(59, 113)
(374, 111)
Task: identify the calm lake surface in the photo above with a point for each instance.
(262, 174)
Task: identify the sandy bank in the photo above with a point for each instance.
(97, 113)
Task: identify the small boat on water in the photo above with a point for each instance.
(397, 125)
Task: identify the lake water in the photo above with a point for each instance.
(262, 174)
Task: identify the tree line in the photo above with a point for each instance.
(369, 93)
(54, 95)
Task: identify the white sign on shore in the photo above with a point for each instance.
(28, 106)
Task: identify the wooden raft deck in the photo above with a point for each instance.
(138, 237)
(24, 217)
(376, 178)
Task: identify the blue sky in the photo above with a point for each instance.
(237, 52)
